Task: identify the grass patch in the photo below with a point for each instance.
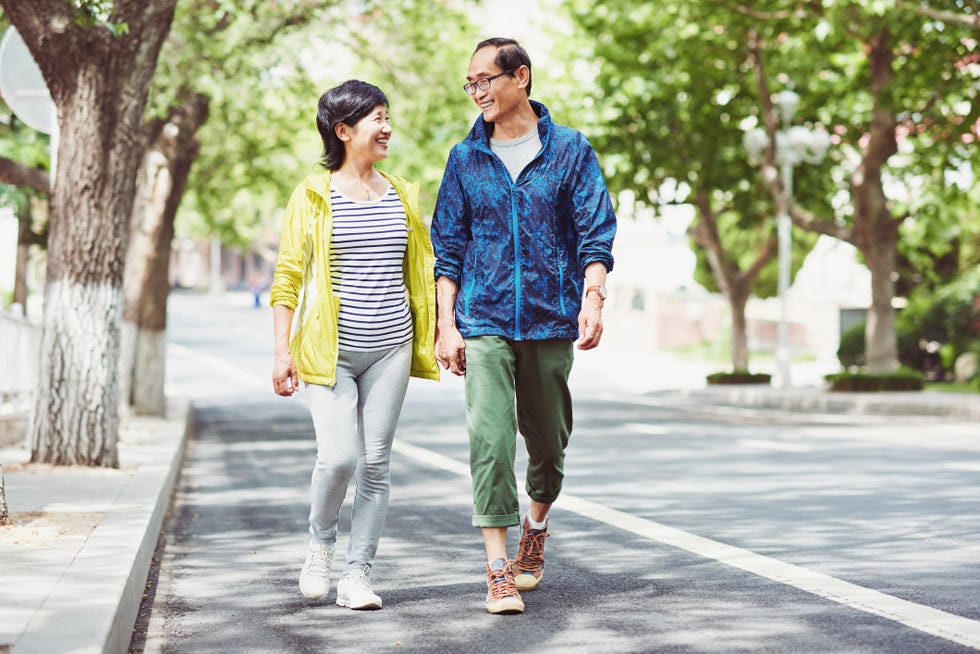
(951, 387)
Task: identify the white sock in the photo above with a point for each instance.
(533, 524)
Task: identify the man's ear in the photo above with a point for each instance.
(523, 74)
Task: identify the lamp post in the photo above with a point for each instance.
(794, 145)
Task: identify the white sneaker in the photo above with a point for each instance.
(354, 591)
(314, 581)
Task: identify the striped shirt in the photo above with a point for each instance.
(367, 249)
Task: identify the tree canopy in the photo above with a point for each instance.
(676, 83)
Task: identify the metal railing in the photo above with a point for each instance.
(20, 347)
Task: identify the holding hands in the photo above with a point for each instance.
(451, 350)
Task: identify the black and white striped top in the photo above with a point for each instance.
(367, 249)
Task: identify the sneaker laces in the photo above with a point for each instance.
(530, 556)
(318, 561)
(359, 580)
(500, 584)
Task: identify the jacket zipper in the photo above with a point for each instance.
(517, 244)
(517, 263)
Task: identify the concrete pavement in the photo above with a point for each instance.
(74, 566)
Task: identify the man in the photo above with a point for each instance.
(523, 218)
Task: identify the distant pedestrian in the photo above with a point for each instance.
(523, 231)
(355, 256)
(255, 286)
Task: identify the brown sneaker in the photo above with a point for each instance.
(528, 567)
(502, 595)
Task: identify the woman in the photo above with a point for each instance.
(355, 257)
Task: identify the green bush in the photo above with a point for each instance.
(931, 332)
(903, 379)
(739, 377)
(949, 316)
(851, 350)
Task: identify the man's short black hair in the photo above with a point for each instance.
(510, 56)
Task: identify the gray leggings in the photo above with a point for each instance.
(355, 425)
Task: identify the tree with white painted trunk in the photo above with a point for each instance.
(4, 516)
(173, 144)
(98, 60)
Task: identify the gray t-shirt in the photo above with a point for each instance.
(516, 154)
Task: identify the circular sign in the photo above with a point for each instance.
(22, 85)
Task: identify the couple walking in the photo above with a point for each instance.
(511, 281)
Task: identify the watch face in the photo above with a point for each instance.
(602, 292)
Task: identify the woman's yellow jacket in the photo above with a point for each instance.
(302, 278)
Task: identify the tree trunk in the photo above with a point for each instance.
(875, 230)
(4, 517)
(161, 185)
(142, 318)
(740, 340)
(23, 250)
(734, 283)
(99, 82)
(881, 343)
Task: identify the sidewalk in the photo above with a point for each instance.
(74, 567)
(634, 372)
(956, 406)
(74, 564)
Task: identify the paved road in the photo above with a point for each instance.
(684, 528)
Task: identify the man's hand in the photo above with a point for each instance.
(589, 323)
(285, 380)
(451, 350)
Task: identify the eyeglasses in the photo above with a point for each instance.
(484, 84)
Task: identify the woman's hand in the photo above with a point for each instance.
(285, 381)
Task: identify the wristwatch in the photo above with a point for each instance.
(600, 291)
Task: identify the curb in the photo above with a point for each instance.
(94, 603)
(957, 406)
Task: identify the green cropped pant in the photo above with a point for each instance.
(513, 385)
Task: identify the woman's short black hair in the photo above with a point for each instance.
(347, 104)
(510, 56)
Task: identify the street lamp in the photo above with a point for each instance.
(794, 145)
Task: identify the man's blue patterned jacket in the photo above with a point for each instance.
(518, 250)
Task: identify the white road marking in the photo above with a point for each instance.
(220, 364)
(774, 445)
(646, 428)
(965, 465)
(431, 458)
(923, 618)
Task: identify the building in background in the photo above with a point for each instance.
(656, 305)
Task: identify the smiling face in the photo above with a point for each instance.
(506, 95)
(368, 138)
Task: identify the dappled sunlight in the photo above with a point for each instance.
(846, 507)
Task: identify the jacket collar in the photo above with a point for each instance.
(319, 183)
(479, 135)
